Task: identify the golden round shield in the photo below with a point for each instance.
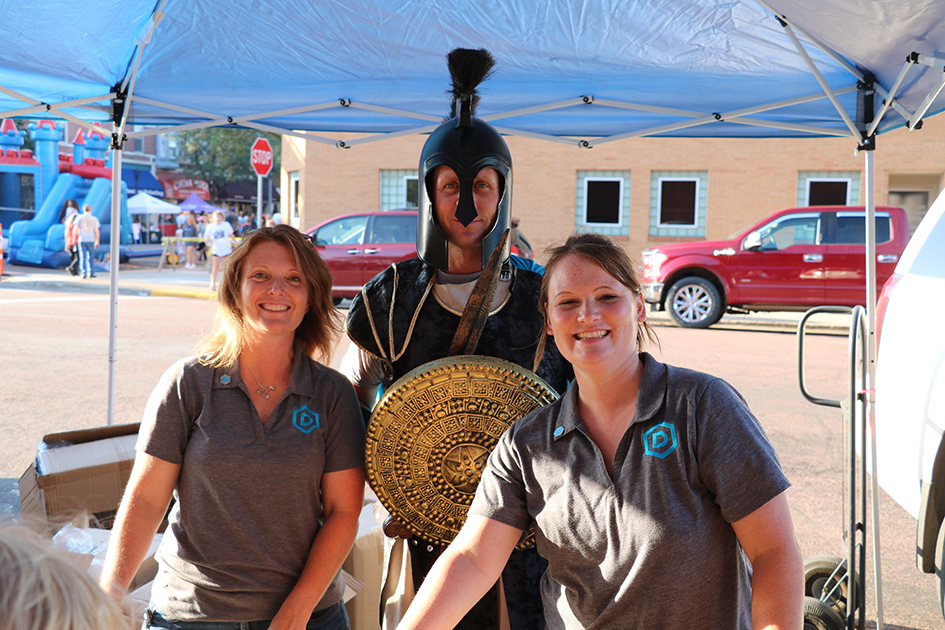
(430, 435)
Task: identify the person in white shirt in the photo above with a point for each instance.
(88, 240)
(219, 238)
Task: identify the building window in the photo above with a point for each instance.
(828, 188)
(830, 192)
(678, 202)
(27, 191)
(412, 191)
(603, 201)
(137, 144)
(399, 190)
(294, 218)
(173, 151)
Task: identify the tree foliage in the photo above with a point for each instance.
(219, 155)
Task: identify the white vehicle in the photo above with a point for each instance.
(910, 388)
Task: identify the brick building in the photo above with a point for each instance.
(644, 192)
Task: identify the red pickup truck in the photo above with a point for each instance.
(794, 259)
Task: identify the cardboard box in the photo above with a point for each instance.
(145, 573)
(365, 563)
(78, 474)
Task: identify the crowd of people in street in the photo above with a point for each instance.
(210, 237)
(654, 494)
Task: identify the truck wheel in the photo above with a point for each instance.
(694, 302)
(820, 616)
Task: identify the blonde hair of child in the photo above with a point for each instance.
(42, 588)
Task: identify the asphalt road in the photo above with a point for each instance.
(54, 370)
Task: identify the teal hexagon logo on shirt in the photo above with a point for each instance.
(660, 440)
(305, 420)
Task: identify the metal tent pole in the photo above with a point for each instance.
(870, 366)
(120, 109)
(115, 249)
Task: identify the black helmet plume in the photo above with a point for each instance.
(468, 68)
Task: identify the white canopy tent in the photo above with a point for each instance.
(143, 203)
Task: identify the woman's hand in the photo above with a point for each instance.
(463, 573)
(147, 496)
(395, 529)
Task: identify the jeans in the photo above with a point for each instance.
(86, 253)
(331, 618)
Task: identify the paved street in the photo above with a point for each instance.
(54, 340)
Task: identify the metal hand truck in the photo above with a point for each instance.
(834, 587)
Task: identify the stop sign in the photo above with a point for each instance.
(260, 156)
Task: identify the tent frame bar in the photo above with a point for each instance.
(817, 75)
(906, 114)
(887, 102)
(698, 118)
(924, 108)
(250, 120)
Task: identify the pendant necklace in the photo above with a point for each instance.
(264, 390)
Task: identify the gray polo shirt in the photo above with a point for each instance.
(247, 501)
(649, 545)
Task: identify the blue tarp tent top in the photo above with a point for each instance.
(584, 72)
(587, 70)
(142, 181)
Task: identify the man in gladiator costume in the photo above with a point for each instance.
(408, 315)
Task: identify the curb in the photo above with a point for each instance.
(103, 289)
(184, 293)
(141, 287)
(764, 322)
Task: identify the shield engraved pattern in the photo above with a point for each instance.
(430, 435)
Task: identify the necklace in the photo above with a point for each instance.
(264, 390)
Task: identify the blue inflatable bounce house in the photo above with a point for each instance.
(84, 176)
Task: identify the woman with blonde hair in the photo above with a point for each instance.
(262, 449)
(41, 588)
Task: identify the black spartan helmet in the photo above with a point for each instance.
(467, 145)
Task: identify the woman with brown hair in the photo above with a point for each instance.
(69, 208)
(262, 449)
(653, 490)
(71, 239)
